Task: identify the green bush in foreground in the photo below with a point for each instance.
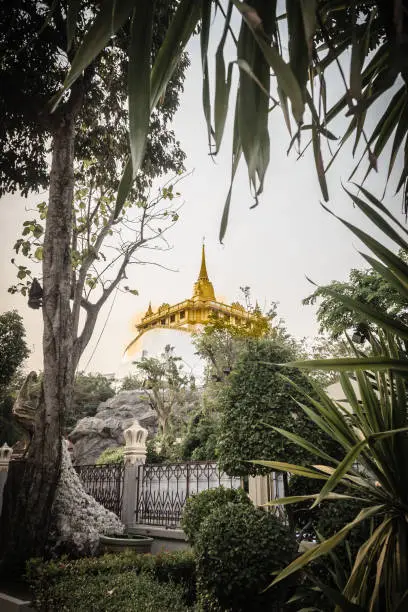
(126, 592)
(237, 550)
(52, 579)
(198, 507)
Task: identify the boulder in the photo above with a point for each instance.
(92, 435)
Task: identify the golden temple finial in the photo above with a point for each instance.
(203, 269)
(149, 311)
(203, 288)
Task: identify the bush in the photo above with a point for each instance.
(124, 592)
(237, 550)
(199, 506)
(111, 455)
(51, 579)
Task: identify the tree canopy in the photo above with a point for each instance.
(368, 287)
(13, 347)
(37, 45)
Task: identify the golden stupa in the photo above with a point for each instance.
(200, 309)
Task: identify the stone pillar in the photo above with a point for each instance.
(135, 444)
(134, 459)
(5, 455)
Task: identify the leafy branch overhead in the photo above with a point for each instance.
(318, 34)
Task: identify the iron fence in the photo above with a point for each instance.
(104, 483)
(163, 489)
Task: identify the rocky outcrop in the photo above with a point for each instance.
(92, 435)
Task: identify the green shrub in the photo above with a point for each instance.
(199, 506)
(111, 455)
(176, 567)
(124, 592)
(237, 550)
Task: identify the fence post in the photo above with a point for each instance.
(5, 455)
(258, 489)
(134, 458)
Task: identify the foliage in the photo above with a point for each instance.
(257, 400)
(114, 593)
(372, 33)
(200, 440)
(373, 432)
(201, 505)
(220, 342)
(111, 455)
(13, 351)
(131, 382)
(237, 549)
(13, 347)
(53, 577)
(367, 286)
(89, 391)
(33, 69)
(169, 387)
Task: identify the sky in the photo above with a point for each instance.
(271, 248)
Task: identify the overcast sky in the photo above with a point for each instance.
(271, 248)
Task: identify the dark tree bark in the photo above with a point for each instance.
(31, 484)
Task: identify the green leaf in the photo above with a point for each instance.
(139, 80)
(110, 18)
(327, 545)
(39, 253)
(305, 443)
(295, 499)
(348, 364)
(340, 471)
(292, 468)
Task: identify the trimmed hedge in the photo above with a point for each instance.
(126, 592)
(238, 548)
(52, 581)
(198, 507)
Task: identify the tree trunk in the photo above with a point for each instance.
(31, 484)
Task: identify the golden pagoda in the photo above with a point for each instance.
(200, 309)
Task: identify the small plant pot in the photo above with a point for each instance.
(121, 542)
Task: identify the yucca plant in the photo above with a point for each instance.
(372, 428)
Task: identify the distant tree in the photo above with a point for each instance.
(13, 347)
(167, 385)
(131, 382)
(89, 391)
(220, 342)
(366, 286)
(13, 351)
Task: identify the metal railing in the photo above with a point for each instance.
(104, 483)
(163, 489)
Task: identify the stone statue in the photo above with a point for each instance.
(25, 406)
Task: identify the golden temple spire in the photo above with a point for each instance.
(203, 269)
(149, 311)
(203, 288)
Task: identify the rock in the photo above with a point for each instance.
(78, 519)
(92, 435)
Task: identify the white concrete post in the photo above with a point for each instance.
(5, 455)
(258, 490)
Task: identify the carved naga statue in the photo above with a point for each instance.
(25, 406)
